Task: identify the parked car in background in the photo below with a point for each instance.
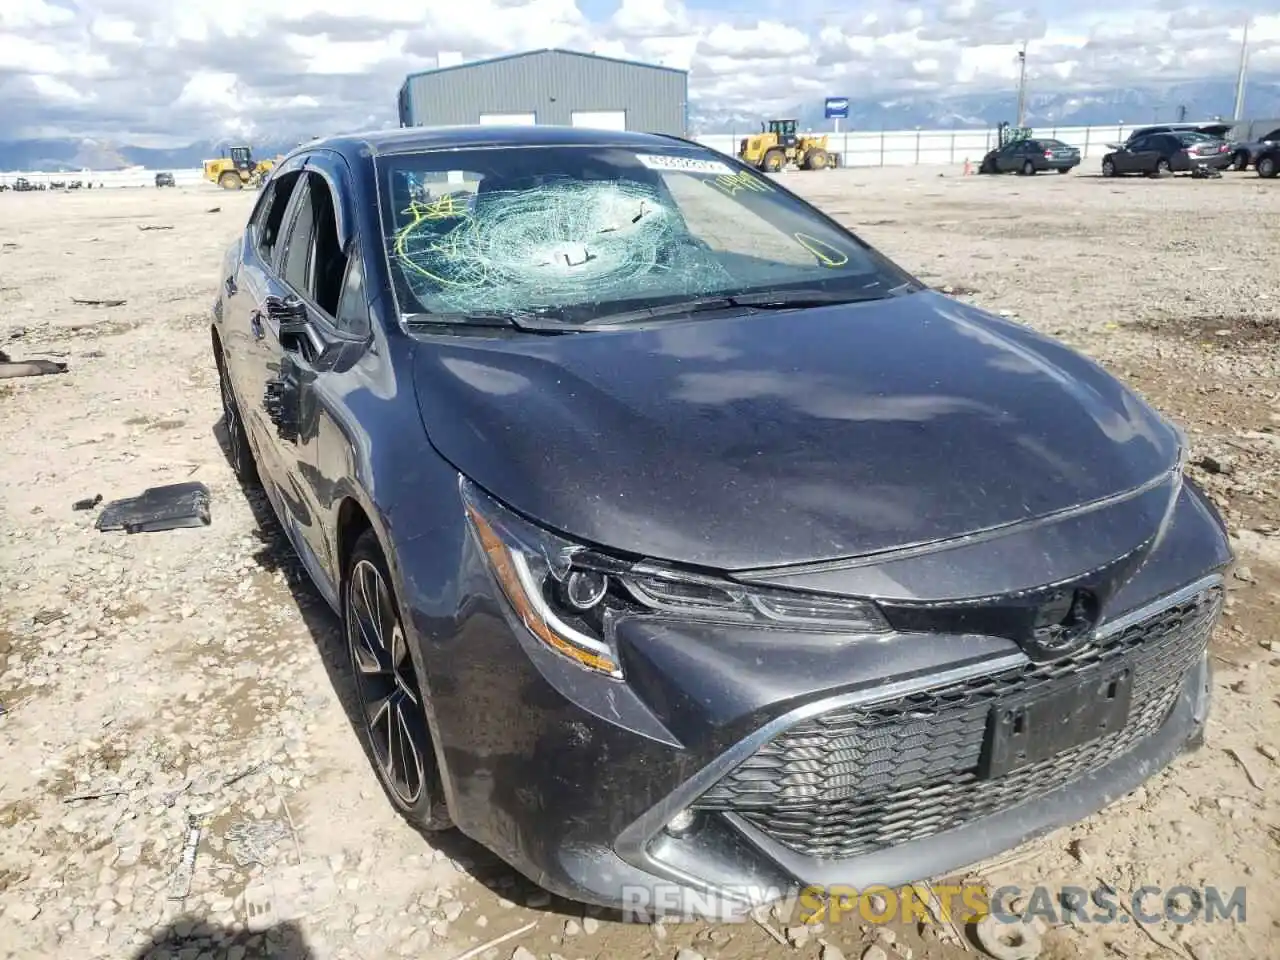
(1163, 153)
(1031, 156)
(682, 538)
(1218, 129)
(1267, 162)
(1256, 137)
(165, 179)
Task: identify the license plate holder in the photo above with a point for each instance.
(1025, 730)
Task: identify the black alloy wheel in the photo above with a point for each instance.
(394, 721)
(1028, 169)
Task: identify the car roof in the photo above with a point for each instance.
(411, 139)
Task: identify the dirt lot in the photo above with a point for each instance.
(148, 679)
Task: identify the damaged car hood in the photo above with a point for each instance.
(775, 438)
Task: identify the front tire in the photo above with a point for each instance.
(774, 161)
(1108, 168)
(230, 181)
(393, 718)
(1241, 160)
(1267, 167)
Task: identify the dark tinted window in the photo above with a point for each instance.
(298, 244)
(269, 215)
(1142, 143)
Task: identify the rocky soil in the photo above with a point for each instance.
(179, 776)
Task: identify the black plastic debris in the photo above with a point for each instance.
(98, 303)
(88, 503)
(10, 368)
(170, 507)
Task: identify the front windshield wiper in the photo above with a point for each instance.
(761, 300)
(540, 320)
(566, 320)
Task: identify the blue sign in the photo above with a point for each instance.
(837, 108)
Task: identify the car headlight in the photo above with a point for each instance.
(571, 597)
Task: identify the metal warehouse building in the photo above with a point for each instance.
(555, 87)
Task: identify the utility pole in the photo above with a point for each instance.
(1244, 65)
(1022, 85)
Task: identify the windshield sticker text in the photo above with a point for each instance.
(658, 161)
(734, 183)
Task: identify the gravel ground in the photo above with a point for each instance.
(154, 682)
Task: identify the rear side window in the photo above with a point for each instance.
(269, 217)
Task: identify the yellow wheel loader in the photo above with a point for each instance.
(237, 170)
(777, 144)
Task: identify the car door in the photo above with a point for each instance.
(1009, 158)
(318, 334)
(1137, 157)
(246, 292)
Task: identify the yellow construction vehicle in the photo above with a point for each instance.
(778, 144)
(237, 170)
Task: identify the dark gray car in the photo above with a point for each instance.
(1031, 156)
(683, 542)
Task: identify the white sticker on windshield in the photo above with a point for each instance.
(660, 161)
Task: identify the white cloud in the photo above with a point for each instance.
(133, 69)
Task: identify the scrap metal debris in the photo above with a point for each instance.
(180, 885)
(251, 841)
(170, 507)
(95, 795)
(88, 503)
(46, 617)
(98, 303)
(155, 226)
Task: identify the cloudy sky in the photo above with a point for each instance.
(164, 73)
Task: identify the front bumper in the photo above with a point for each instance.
(803, 760)
(580, 802)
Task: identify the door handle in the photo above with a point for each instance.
(255, 324)
(231, 286)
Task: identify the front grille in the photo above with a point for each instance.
(865, 778)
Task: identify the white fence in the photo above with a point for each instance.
(905, 148)
(860, 148)
(135, 177)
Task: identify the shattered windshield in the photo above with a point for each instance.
(582, 232)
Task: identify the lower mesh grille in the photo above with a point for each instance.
(866, 778)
